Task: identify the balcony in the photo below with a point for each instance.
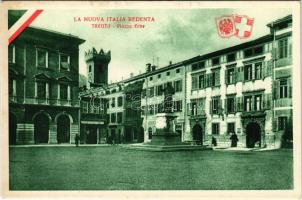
(284, 102)
(49, 102)
(283, 62)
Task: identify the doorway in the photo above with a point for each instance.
(253, 135)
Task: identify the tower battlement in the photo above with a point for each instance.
(93, 54)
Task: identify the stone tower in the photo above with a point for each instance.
(97, 67)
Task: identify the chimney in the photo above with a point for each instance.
(131, 74)
(153, 67)
(170, 62)
(148, 67)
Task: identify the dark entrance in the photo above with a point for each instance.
(197, 134)
(253, 135)
(12, 129)
(63, 129)
(41, 128)
(140, 136)
(128, 135)
(92, 136)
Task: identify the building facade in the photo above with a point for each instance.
(244, 89)
(43, 87)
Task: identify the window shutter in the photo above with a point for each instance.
(226, 76)
(235, 104)
(290, 46)
(209, 80)
(211, 107)
(275, 124)
(269, 66)
(263, 102)
(194, 82)
(225, 106)
(239, 74)
(289, 87)
(188, 109)
(277, 89)
(239, 104)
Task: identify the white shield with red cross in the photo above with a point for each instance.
(225, 26)
(243, 26)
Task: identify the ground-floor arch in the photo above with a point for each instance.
(253, 135)
(63, 128)
(12, 128)
(197, 133)
(41, 128)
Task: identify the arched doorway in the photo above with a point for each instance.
(63, 129)
(12, 129)
(41, 128)
(197, 134)
(253, 135)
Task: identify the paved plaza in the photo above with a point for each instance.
(117, 168)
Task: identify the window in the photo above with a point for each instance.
(159, 90)
(258, 70)
(194, 107)
(283, 88)
(215, 105)
(90, 68)
(119, 101)
(231, 57)
(113, 117)
(216, 77)
(257, 102)
(178, 86)
(41, 90)
(177, 71)
(63, 91)
(282, 122)
(151, 91)
(230, 79)
(283, 46)
(215, 128)
(248, 103)
(201, 81)
(160, 108)
(150, 133)
(64, 62)
(231, 128)
(42, 58)
(168, 74)
(151, 78)
(113, 102)
(119, 117)
(230, 104)
(215, 61)
(11, 54)
(151, 109)
(248, 75)
(194, 82)
(253, 51)
(143, 93)
(12, 87)
(177, 106)
(159, 76)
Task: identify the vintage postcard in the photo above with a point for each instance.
(151, 99)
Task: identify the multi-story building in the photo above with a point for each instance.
(244, 89)
(43, 87)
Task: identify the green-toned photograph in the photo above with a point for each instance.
(146, 99)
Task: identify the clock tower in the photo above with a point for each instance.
(97, 67)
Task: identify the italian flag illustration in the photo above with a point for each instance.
(16, 26)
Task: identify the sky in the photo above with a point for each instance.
(175, 35)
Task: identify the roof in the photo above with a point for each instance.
(257, 41)
(53, 33)
(278, 21)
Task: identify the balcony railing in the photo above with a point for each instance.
(44, 101)
(284, 102)
(284, 62)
